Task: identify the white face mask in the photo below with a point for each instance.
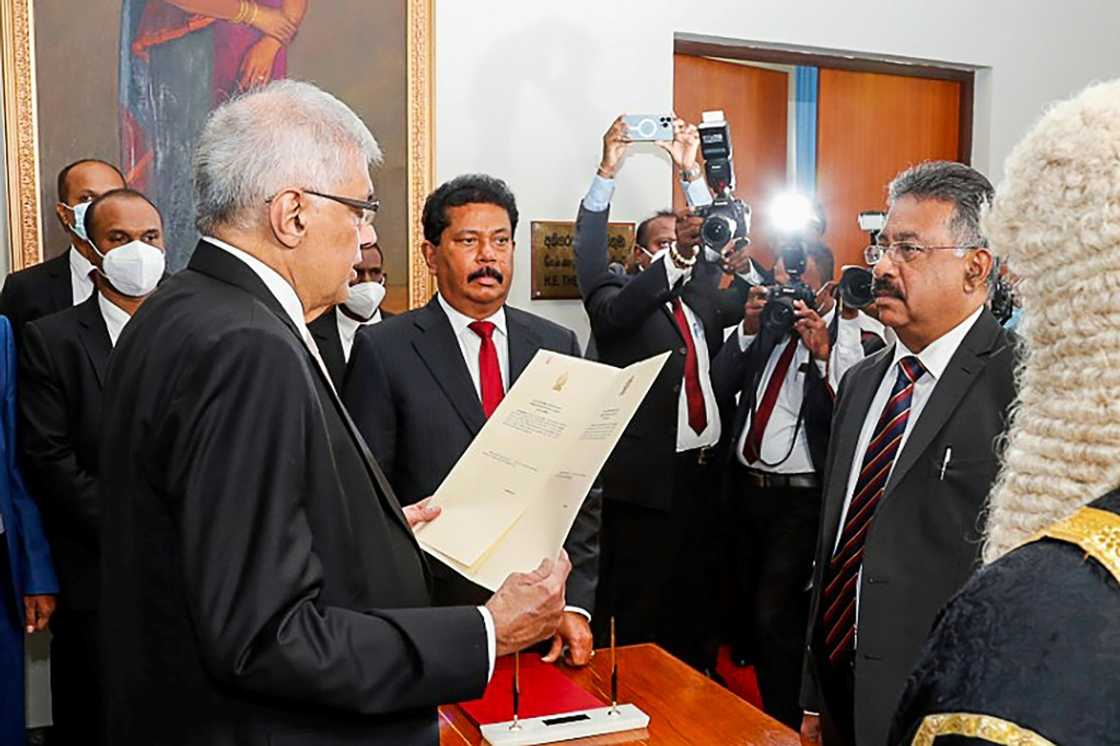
(134, 269)
(364, 298)
(79, 226)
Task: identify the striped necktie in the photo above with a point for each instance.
(838, 601)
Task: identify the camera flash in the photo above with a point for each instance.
(791, 212)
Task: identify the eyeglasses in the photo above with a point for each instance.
(903, 251)
(368, 208)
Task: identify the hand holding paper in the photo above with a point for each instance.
(511, 499)
(528, 607)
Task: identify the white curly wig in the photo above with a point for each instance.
(1056, 218)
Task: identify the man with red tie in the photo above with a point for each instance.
(422, 384)
(912, 455)
(660, 485)
(785, 380)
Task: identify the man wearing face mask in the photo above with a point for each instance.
(334, 330)
(66, 280)
(63, 364)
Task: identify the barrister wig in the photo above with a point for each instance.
(1057, 219)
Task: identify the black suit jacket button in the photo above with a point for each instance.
(677, 389)
(682, 350)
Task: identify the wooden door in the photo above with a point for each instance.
(755, 102)
(870, 127)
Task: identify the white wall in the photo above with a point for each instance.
(524, 90)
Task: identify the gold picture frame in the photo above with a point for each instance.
(21, 137)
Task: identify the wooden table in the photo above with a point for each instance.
(684, 707)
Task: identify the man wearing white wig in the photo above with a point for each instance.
(1029, 651)
(262, 584)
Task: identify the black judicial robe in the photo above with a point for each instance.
(1029, 651)
(260, 585)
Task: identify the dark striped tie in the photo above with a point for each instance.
(838, 601)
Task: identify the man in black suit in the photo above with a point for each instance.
(784, 379)
(911, 457)
(335, 329)
(261, 583)
(419, 385)
(660, 485)
(62, 372)
(66, 280)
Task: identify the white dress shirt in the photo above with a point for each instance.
(293, 307)
(81, 286)
(115, 317)
(687, 438)
(348, 327)
(934, 358)
(470, 344)
(777, 439)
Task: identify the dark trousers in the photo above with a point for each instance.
(75, 678)
(837, 687)
(772, 561)
(656, 572)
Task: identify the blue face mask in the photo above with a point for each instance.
(79, 226)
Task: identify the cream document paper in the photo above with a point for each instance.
(512, 497)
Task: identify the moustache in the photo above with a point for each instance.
(886, 289)
(478, 274)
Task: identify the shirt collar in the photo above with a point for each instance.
(460, 321)
(115, 317)
(937, 354)
(79, 265)
(277, 285)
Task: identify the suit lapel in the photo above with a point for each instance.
(95, 337)
(523, 344)
(62, 290)
(441, 353)
(970, 358)
(842, 451)
(220, 264)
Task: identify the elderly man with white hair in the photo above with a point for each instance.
(1029, 651)
(263, 585)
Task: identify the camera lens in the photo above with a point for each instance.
(716, 231)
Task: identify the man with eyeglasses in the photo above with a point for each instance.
(263, 584)
(911, 458)
(334, 330)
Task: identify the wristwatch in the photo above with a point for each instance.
(692, 174)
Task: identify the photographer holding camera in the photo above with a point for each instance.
(660, 484)
(785, 363)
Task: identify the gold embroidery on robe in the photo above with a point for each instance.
(991, 729)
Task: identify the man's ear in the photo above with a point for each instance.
(63, 212)
(287, 219)
(977, 268)
(429, 250)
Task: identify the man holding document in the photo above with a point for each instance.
(267, 587)
(423, 384)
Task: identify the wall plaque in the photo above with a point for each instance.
(554, 267)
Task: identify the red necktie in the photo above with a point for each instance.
(697, 416)
(489, 372)
(752, 449)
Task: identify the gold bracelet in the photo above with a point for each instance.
(255, 9)
(242, 12)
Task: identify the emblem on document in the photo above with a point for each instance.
(561, 382)
(626, 387)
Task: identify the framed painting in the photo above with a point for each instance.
(131, 82)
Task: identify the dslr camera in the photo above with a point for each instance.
(856, 282)
(726, 218)
(778, 315)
